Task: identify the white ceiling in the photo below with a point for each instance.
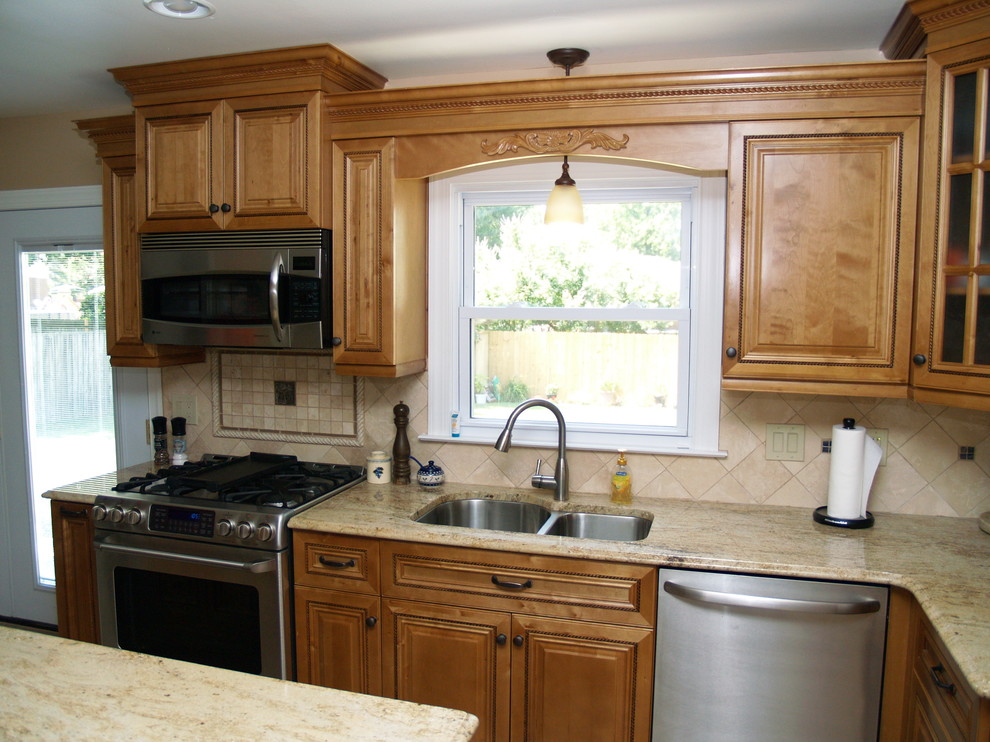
(54, 53)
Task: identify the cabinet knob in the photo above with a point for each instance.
(517, 640)
(225, 208)
(335, 341)
(731, 352)
(370, 622)
(501, 639)
(214, 208)
(920, 359)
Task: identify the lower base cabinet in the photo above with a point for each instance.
(75, 572)
(486, 632)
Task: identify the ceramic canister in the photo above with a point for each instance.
(379, 467)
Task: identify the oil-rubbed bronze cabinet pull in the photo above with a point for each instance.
(731, 352)
(513, 585)
(517, 640)
(936, 672)
(66, 513)
(370, 622)
(920, 359)
(331, 563)
(501, 639)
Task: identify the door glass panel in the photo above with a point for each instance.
(960, 193)
(954, 322)
(963, 117)
(982, 348)
(985, 217)
(69, 391)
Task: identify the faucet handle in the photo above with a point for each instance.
(542, 481)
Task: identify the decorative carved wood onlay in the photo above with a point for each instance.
(952, 15)
(563, 141)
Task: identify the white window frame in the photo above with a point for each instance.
(697, 426)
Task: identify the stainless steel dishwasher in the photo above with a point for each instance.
(765, 659)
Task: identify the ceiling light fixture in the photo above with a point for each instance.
(188, 9)
(564, 203)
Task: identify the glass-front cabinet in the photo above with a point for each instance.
(952, 344)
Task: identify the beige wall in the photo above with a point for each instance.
(48, 152)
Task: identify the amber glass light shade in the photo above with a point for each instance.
(564, 203)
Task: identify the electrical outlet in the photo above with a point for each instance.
(785, 442)
(880, 436)
(184, 405)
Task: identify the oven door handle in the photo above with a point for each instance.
(277, 268)
(257, 567)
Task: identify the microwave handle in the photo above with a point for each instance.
(277, 267)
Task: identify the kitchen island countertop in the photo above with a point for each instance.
(57, 689)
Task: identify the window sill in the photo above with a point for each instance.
(521, 442)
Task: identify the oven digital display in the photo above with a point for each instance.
(185, 521)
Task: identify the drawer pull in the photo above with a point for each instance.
(66, 513)
(513, 585)
(936, 672)
(331, 563)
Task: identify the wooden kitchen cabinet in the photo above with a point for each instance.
(239, 163)
(379, 258)
(75, 572)
(943, 706)
(493, 633)
(114, 139)
(820, 258)
(952, 339)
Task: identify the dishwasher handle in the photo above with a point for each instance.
(742, 600)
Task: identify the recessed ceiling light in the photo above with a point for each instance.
(190, 9)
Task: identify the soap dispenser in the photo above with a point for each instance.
(621, 490)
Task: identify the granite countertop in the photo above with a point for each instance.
(57, 689)
(943, 562)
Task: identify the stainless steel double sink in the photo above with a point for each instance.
(528, 517)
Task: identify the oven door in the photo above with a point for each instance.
(214, 605)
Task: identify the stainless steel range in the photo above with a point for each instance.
(194, 561)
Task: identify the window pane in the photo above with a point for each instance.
(619, 372)
(982, 346)
(954, 322)
(960, 194)
(625, 253)
(963, 117)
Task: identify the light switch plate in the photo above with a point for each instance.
(184, 405)
(880, 436)
(785, 442)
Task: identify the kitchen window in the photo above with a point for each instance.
(617, 321)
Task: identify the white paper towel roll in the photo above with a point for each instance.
(855, 458)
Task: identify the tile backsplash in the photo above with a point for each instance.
(924, 473)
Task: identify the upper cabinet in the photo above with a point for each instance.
(820, 255)
(243, 163)
(952, 337)
(238, 141)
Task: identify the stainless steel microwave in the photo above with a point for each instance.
(260, 289)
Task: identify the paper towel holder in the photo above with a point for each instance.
(821, 516)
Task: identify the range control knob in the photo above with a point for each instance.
(132, 517)
(116, 514)
(99, 512)
(265, 532)
(224, 528)
(244, 530)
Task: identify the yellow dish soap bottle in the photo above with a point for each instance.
(621, 482)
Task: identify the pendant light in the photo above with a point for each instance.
(564, 203)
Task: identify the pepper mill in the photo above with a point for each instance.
(400, 449)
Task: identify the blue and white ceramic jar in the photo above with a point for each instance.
(379, 467)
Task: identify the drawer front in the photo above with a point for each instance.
(549, 586)
(337, 562)
(951, 698)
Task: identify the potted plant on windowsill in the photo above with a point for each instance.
(480, 390)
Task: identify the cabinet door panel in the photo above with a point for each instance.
(271, 155)
(451, 657)
(179, 161)
(75, 572)
(338, 640)
(819, 269)
(577, 680)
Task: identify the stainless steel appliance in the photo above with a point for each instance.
(262, 289)
(760, 659)
(194, 562)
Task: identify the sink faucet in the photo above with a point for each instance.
(558, 482)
